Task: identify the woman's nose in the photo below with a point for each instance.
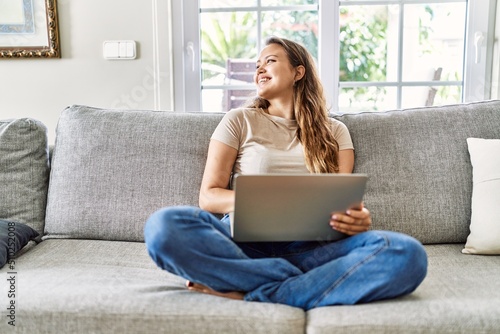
(261, 68)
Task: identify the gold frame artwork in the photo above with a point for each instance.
(29, 30)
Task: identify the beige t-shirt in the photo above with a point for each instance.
(268, 144)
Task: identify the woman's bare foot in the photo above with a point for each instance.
(201, 288)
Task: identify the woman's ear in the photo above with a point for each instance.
(300, 71)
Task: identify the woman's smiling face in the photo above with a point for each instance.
(274, 75)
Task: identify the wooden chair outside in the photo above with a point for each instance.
(239, 72)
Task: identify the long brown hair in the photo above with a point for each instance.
(314, 127)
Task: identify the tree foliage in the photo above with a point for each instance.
(229, 35)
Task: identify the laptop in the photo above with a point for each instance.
(292, 207)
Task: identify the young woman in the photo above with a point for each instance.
(286, 128)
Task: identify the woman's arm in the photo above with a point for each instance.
(346, 161)
(214, 193)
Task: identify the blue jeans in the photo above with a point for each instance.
(374, 265)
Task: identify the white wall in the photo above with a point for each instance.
(42, 88)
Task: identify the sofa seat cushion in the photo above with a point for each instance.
(104, 287)
(461, 294)
(94, 286)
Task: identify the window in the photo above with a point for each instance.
(372, 54)
(401, 55)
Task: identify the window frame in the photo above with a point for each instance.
(476, 81)
(478, 76)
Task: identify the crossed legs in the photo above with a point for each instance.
(374, 265)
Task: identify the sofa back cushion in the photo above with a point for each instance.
(112, 168)
(420, 174)
(24, 172)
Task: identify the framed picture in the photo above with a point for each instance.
(29, 29)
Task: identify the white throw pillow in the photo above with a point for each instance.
(484, 237)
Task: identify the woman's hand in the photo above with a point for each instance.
(353, 221)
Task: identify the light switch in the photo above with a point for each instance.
(122, 53)
(119, 50)
(111, 50)
(130, 51)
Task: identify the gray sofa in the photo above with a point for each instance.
(89, 272)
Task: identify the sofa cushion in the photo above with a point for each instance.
(24, 171)
(111, 169)
(461, 294)
(13, 237)
(484, 237)
(420, 176)
(96, 286)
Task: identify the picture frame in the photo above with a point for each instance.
(29, 29)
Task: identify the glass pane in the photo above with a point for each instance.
(287, 2)
(359, 99)
(433, 41)
(226, 36)
(224, 99)
(364, 42)
(211, 100)
(430, 96)
(417, 97)
(299, 26)
(448, 95)
(226, 3)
